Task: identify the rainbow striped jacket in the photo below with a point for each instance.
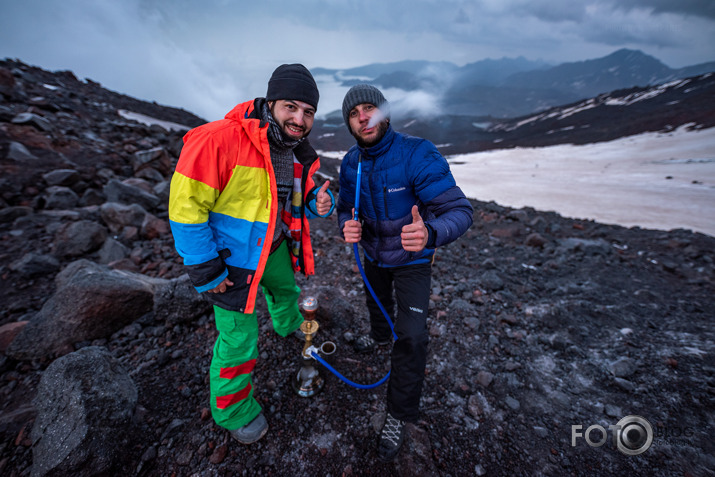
(223, 206)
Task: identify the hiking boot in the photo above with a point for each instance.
(252, 431)
(391, 438)
(367, 343)
(299, 335)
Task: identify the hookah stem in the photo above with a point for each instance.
(392, 327)
(372, 292)
(357, 254)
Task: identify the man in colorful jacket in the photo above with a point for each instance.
(409, 204)
(241, 197)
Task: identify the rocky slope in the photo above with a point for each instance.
(538, 323)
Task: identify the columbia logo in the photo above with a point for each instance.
(416, 309)
(396, 189)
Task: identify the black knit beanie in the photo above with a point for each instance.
(364, 93)
(293, 82)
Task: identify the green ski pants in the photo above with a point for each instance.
(236, 349)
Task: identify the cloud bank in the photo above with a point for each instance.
(206, 57)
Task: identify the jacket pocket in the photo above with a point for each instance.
(225, 322)
(398, 201)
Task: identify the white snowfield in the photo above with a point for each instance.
(659, 181)
(149, 121)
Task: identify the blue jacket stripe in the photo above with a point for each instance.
(244, 236)
(213, 284)
(194, 242)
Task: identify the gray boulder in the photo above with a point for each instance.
(153, 227)
(10, 214)
(78, 238)
(112, 250)
(162, 190)
(62, 177)
(60, 197)
(91, 197)
(33, 265)
(19, 153)
(85, 402)
(34, 120)
(492, 281)
(462, 308)
(177, 301)
(91, 302)
(117, 191)
(588, 247)
(117, 216)
(156, 158)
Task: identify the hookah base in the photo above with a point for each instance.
(308, 382)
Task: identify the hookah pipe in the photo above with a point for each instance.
(308, 381)
(309, 349)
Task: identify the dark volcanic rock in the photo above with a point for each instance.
(90, 303)
(18, 152)
(58, 197)
(537, 323)
(79, 238)
(129, 194)
(62, 177)
(117, 216)
(177, 302)
(32, 265)
(85, 403)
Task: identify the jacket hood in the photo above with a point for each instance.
(247, 110)
(248, 116)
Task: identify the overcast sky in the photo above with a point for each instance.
(207, 56)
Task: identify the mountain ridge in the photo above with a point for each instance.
(510, 87)
(604, 117)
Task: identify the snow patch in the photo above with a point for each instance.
(654, 180)
(149, 121)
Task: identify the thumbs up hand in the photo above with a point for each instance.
(322, 200)
(414, 236)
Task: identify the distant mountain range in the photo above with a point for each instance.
(514, 87)
(607, 116)
(53, 100)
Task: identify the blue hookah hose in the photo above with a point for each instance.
(357, 253)
(346, 380)
(372, 292)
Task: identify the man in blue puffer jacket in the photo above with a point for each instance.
(409, 204)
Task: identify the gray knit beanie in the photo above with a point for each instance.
(364, 93)
(293, 82)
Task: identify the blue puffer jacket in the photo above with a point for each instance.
(397, 173)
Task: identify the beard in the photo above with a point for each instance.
(381, 130)
(283, 126)
(288, 137)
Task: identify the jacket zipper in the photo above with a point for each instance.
(372, 199)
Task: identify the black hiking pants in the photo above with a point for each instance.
(411, 284)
